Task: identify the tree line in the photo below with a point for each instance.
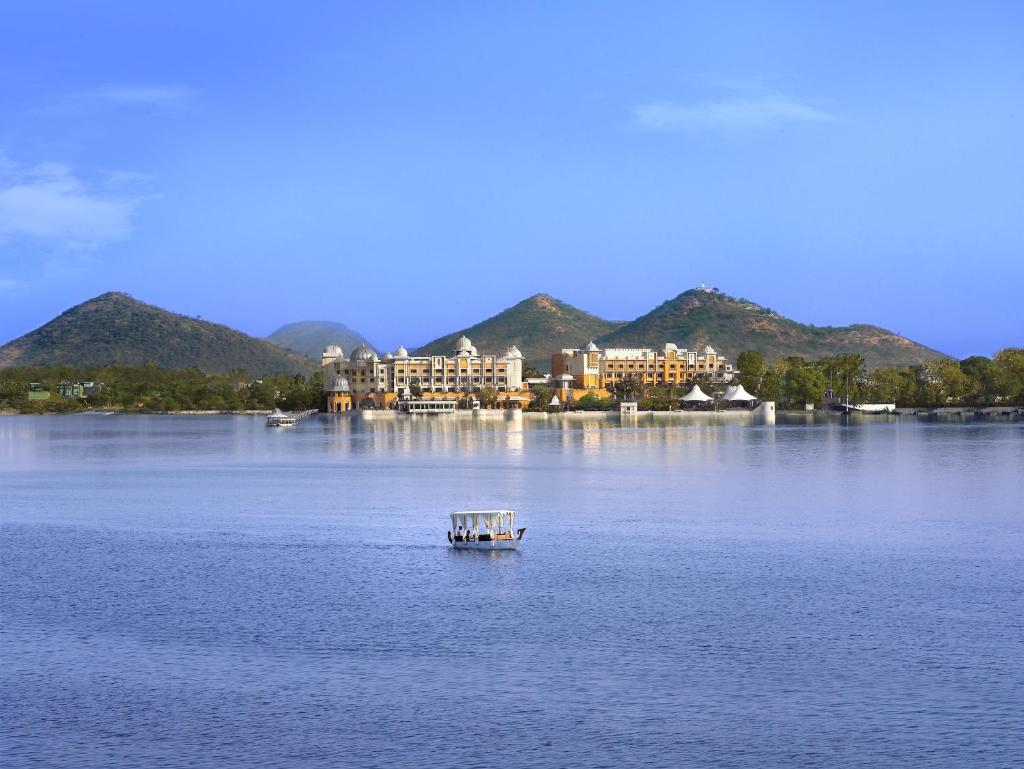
(150, 388)
(976, 381)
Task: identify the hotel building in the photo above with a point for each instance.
(363, 380)
(594, 369)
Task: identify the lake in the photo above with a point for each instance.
(205, 591)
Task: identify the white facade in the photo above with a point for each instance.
(465, 371)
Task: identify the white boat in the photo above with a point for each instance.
(281, 419)
(485, 530)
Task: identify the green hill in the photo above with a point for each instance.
(696, 318)
(310, 337)
(115, 328)
(538, 326)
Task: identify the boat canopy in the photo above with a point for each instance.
(483, 520)
(696, 394)
(739, 394)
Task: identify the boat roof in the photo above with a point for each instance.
(486, 517)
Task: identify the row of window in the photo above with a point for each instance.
(448, 380)
(652, 367)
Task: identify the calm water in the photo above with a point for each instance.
(203, 591)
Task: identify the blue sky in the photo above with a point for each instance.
(409, 169)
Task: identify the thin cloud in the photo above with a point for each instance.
(746, 111)
(158, 97)
(171, 96)
(51, 206)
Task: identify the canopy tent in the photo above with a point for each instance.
(483, 520)
(729, 391)
(738, 394)
(696, 394)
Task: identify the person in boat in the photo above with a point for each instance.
(459, 535)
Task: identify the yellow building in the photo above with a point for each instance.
(592, 369)
(372, 382)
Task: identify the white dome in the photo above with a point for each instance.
(332, 351)
(592, 347)
(388, 356)
(513, 353)
(339, 384)
(464, 346)
(669, 347)
(401, 352)
(709, 350)
(363, 353)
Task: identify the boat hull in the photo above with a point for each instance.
(494, 544)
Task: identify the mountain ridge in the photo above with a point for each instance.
(538, 325)
(114, 327)
(310, 337)
(699, 317)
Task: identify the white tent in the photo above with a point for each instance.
(729, 391)
(696, 394)
(555, 401)
(738, 394)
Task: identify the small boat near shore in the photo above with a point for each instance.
(485, 530)
(287, 418)
(280, 419)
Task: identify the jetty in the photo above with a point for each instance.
(963, 411)
(288, 418)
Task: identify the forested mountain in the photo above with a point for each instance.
(116, 328)
(701, 317)
(538, 326)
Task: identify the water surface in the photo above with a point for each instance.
(204, 591)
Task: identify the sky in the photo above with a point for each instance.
(410, 169)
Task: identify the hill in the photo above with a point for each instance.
(538, 326)
(698, 317)
(310, 337)
(116, 328)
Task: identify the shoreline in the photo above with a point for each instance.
(761, 412)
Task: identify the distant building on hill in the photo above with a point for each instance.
(365, 381)
(38, 392)
(592, 369)
(78, 389)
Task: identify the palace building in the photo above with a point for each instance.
(593, 369)
(363, 380)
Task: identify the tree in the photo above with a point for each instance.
(984, 376)
(1010, 374)
(629, 388)
(529, 372)
(844, 374)
(945, 383)
(487, 396)
(541, 397)
(804, 383)
(890, 385)
(771, 382)
(751, 366)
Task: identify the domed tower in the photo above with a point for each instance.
(513, 368)
(363, 355)
(339, 395)
(330, 354)
(464, 348)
